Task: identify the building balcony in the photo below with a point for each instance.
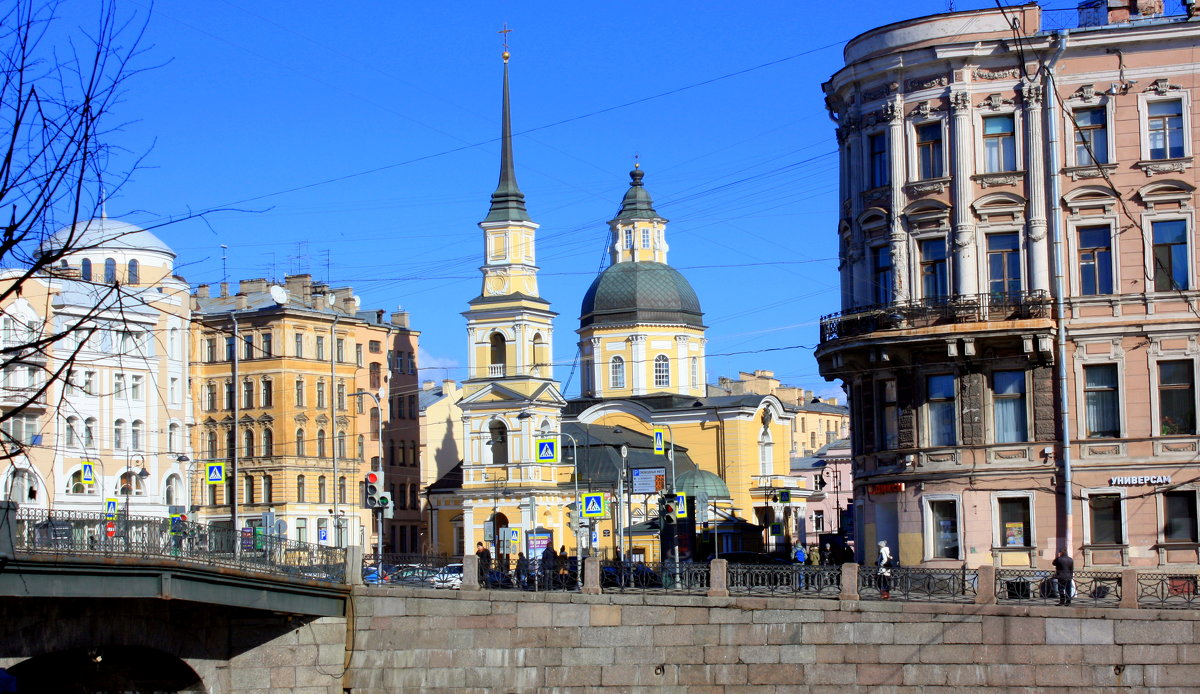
(922, 313)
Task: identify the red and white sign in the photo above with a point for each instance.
(110, 529)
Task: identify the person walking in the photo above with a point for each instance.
(549, 565)
(1064, 575)
(884, 562)
(485, 561)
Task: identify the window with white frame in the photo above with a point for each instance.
(1179, 516)
(173, 437)
(766, 460)
(935, 279)
(999, 144)
(942, 528)
(136, 439)
(1170, 255)
(818, 519)
(646, 237)
(1095, 260)
(662, 371)
(629, 238)
(1101, 398)
(1014, 521)
(1091, 136)
(1176, 397)
(1106, 516)
(929, 150)
(1164, 129)
(941, 409)
(695, 372)
(119, 434)
(616, 373)
(1009, 412)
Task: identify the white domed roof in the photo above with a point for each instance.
(103, 233)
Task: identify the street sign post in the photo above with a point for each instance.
(110, 509)
(216, 473)
(88, 474)
(547, 450)
(660, 447)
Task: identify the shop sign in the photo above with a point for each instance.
(1139, 480)
(885, 488)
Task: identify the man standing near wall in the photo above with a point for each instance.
(1064, 573)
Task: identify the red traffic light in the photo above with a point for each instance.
(372, 478)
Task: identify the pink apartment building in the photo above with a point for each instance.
(1020, 295)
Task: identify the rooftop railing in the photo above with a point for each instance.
(947, 310)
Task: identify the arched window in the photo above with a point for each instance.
(22, 487)
(132, 276)
(249, 484)
(300, 442)
(110, 271)
(498, 355)
(695, 372)
(268, 492)
(135, 436)
(321, 493)
(361, 447)
(341, 444)
(89, 432)
(616, 373)
(540, 358)
(341, 490)
(662, 372)
(375, 375)
(77, 485)
(766, 458)
(499, 442)
(173, 437)
(174, 491)
(211, 445)
(268, 443)
(131, 484)
(300, 488)
(119, 434)
(72, 432)
(248, 443)
(320, 443)
(85, 270)
(374, 423)
(230, 443)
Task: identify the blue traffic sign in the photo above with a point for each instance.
(593, 505)
(547, 450)
(659, 444)
(88, 474)
(216, 473)
(681, 506)
(110, 509)
(322, 534)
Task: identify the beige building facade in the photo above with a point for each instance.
(1019, 286)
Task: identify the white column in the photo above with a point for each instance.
(966, 278)
(638, 368)
(598, 384)
(521, 367)
(683, 367)
(1037, 251)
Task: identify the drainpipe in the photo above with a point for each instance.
(233, 449)
(1055, 230)
(333, 437)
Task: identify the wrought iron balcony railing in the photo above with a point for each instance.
(947, 310)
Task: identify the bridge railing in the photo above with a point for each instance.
(786, 579)
(917, 584)
(39, 531)
(419, 570)
(654, 577)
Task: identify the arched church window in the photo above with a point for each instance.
(662, 372)
(133, 276)
(498, 442)
(695, 372)
(765, 453)
(85, 270)
(498, 354)
(110, 271)
(540, 358)
(616, 373)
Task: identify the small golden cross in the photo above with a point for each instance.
(505, 32)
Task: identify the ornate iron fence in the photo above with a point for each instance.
(403, 569)
(60, 533)
(785, 579)
(919, 313)
(653, 577)
(917, 584)
(1092, 588)
(520, 573)
(1168, 591)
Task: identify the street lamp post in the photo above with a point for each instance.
(379, 468)
(835, 477)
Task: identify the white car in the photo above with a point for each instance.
(449, 576)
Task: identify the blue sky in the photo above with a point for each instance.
(357, 141)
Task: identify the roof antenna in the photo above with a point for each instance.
(224, 267)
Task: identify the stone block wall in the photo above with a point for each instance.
(408, 640)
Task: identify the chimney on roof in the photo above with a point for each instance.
(224, 290)
(400, 318)
(428, 385)
(254, 285)
(320, 301)
(449, 386)
(242, 302)
(202, 291)
(299, 287)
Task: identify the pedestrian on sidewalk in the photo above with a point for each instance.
(885, 562)
(1064, 575)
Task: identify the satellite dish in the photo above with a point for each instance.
(279, 294)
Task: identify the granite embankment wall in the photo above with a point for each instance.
(409, 640)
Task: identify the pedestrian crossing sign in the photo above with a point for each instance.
(659, 441)
(547, 450)
(110, 509)
(681, 506)
(88, 474)
(216, 473)
(593, 505)
(776, 529)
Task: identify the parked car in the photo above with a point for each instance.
(372, 574)
(449, 576)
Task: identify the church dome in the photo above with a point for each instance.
(694, 482)
(641, 292)
(104, 233)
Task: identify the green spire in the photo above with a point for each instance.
(508, 202)
(637, 203)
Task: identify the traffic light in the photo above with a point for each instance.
(666, 508)
(377, 498)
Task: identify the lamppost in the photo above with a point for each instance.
(835, 477)
(379, 469)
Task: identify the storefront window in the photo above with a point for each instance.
(1014, 522)
(1179, 517)
(1106, 519)
(943, 529)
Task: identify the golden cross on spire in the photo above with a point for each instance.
(505, 32)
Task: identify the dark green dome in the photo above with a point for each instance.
(641, 292)
(694, 481)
